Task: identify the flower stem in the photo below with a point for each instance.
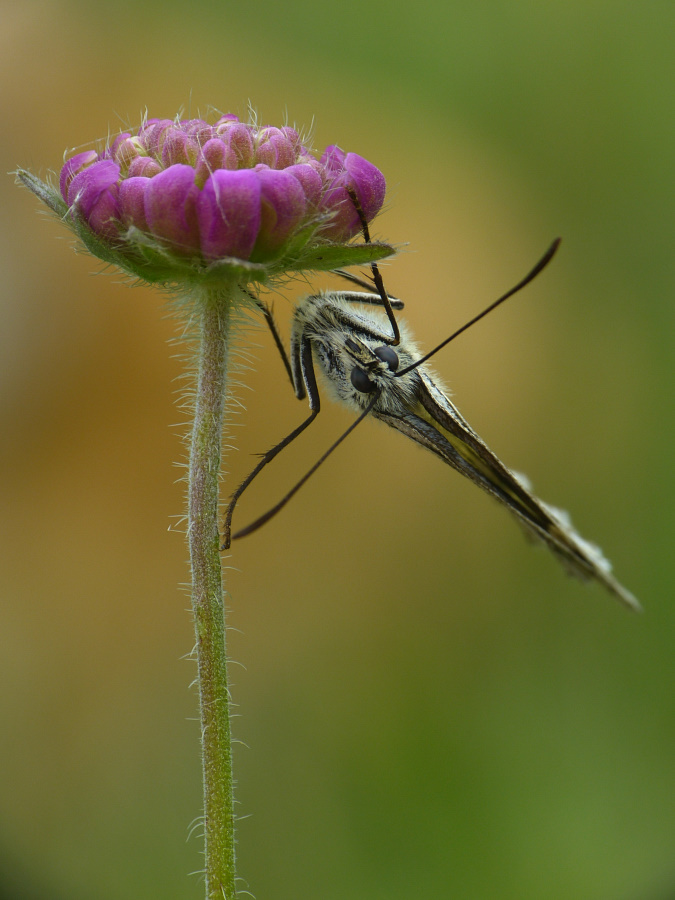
(208, 595)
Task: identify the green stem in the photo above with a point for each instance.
(208, 595)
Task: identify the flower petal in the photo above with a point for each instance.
(310, 180)
(93, 194)
(367, 182)
(71, 168)
(170, 208)
(283, 209)
(333, 158)
(132, 201)
(228, 211)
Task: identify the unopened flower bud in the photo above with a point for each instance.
(215, 154)
(275, 149)
(152, 135)
(126, 151)
(145, 166)
(239, 137)
(179, 148)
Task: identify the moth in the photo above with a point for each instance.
(370, 363)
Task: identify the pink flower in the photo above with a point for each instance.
(190, 192)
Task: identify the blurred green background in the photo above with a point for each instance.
(427, 706)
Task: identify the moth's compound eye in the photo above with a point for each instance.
(361, 382)
(388, 355)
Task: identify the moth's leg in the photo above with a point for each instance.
(272, 325)
(377, 278)
(364, 283)
(306, 366)
(371, 299)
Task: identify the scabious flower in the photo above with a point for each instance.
(188, 201)
(209, 212)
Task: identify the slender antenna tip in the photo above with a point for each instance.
(550, 253)
(548, 256)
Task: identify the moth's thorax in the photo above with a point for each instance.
(345, 337)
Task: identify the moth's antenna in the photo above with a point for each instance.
(280, 505)
(377, 278)
(543, 262)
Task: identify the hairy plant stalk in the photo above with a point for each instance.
(208, 594)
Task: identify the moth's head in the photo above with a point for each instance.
(368, 365)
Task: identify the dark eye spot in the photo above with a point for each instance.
(388, 355)
(361, 382)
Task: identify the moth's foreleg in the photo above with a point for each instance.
(395, 338)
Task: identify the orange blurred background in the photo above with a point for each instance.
(426, 705)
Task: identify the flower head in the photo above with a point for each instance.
(188, 200)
